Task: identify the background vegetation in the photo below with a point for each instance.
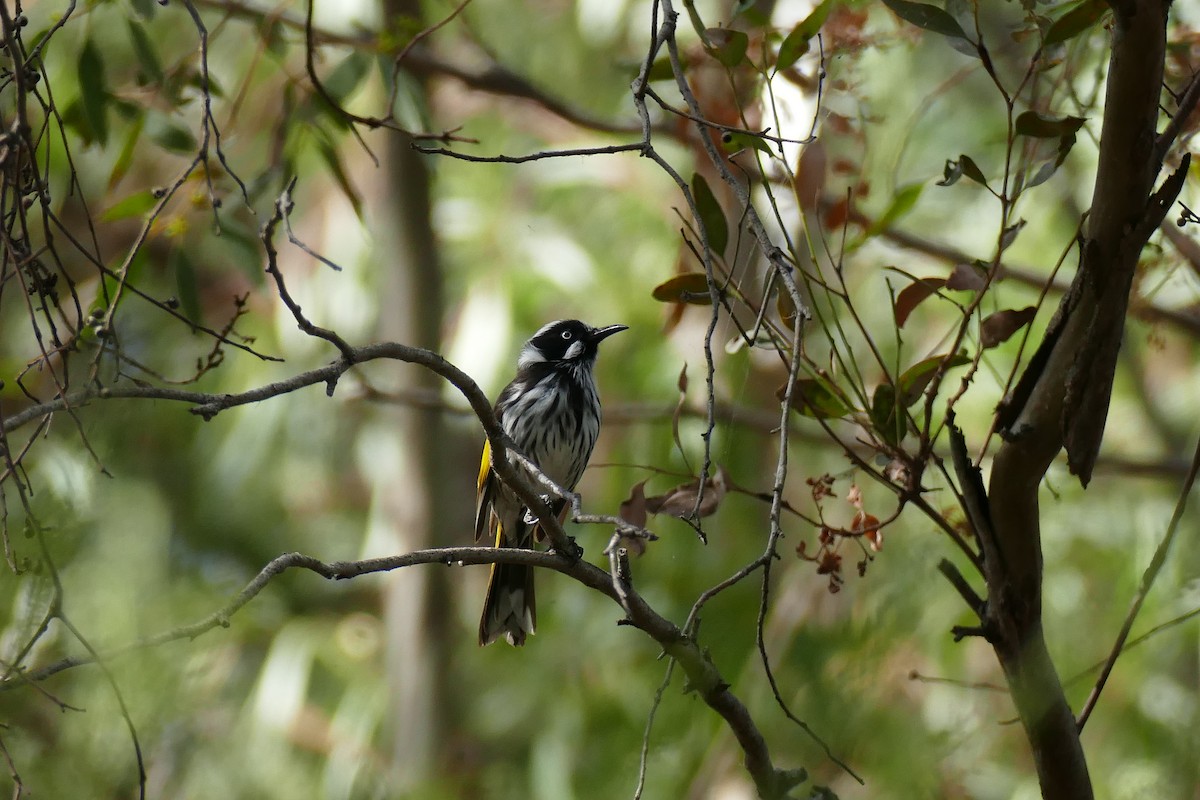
(185, 181)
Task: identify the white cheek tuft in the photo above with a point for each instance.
(574, 351)
(529, 355)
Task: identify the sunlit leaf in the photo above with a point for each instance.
(132, 206)
(1083, 16)
(1040, 126)
(927, 17)
(999, 327)
(912, 381)
(736, 140)
(690, 287)
(795, 44)
(711, 214)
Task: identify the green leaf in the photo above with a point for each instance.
(688, 287)
(128, 148)
(245, 249)
(144, 8)
(913, 381)
(972, 170)
(132, 206)
(93, 93)
(185, 283)
(887, 415)
(1040, 126)
(727, 46)
(817, 398)
(906, 197)
(333, 161)
(1083, 16)
(347, 76)
(170, 134)
(147, 58)
(795, 44)
(660, 69)
(927, 17)
(711, 214)
(734, 141)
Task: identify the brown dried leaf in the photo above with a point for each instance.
(966, 277)
(913, 295)
(633, 511)
(999, 327)
(681, 501)
(810, 175)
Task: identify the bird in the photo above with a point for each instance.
(551, 411)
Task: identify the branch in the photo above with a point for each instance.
(703, 676)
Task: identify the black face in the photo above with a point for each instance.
(567, 340)
(562, 340)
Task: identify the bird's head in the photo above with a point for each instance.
(566, 341)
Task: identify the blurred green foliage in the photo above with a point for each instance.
(156, 518)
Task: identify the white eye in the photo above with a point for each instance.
(566, 336)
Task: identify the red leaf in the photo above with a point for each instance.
(681, 501)
(965, 276)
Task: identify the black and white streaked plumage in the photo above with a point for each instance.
(551, 409)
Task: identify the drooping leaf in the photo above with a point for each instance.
(727, 46)
(1083, 16)
(633, 511)
(1009, 235)
(972, 170)
(966, 277)
(999, 327)
(913, 295)
(927, 17)
(817, 398)
(711, 214)
(170, 134)
(128, 150)
(795, 44)
(1040, 126)
(185, 283)
(347, 76)
(733, 141)
(147, 57)
(134, 205)
(689, 287)
(682, 385)
(811, 175)
(912, 381)
(681, 500)
(93, 91)
(950, 173)
(906, 197)
(333, 160)
(887, 415)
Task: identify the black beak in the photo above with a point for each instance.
(600, 334)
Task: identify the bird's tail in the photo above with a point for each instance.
(509, 609)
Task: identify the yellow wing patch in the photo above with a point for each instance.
(485, 465)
